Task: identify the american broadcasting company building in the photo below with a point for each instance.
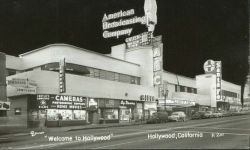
(88, 87)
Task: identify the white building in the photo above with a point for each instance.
(120, 86)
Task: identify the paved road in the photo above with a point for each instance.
(218, 133)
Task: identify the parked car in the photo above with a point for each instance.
(198, 115)
(217, 114)
(226, 113)
(208, 114)
(158, 117)
(177, 116)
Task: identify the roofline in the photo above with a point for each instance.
(221, 79)
(179, 75)
(72, 46)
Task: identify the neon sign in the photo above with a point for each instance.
(108, 24)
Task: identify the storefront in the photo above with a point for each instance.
(109, 110)
(72, 110)
(149, 109)
(127, 110)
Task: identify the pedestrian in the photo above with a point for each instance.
(42, 120)
(59, 120)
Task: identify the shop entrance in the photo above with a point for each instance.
(93, 117)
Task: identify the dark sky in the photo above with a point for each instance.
(193, 30)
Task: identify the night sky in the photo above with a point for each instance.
(193, 30)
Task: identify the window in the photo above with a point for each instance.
(102, 74)
(52, 114)
(110, 75)
(182, 89)
(91, 72)
(124, 78)
(110, 113)
(96, 73)
(117, 77)
(3, 113)
(132, 80)
(189, 90)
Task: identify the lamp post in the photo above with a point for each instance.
(165, 99)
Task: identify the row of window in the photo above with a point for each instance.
(93, 72)
(180, 88)
(229, 94)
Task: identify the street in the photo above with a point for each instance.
(216, 133)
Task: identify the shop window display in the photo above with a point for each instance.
(52, 114)
(79, 114)
(110, 113)
(124, 114)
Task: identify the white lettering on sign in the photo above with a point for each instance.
(119, 14)
(107, 24)
(138, 40)
(147, 98)
(218, 80)
(62, 81)
(125, 22)
(69, 98)
(127, 103)
(23, 90)
(108, 34)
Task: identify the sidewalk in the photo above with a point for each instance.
(21, 131)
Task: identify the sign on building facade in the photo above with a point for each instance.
(214, 67)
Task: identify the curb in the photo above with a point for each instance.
(24, 133)
(101, 127)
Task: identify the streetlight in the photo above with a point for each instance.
(165, 99)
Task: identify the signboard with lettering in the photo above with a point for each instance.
(127, 103)
(24, 90)
(157, 60)
(147, 98)
(170, 102)
(4, 105)
(115, 20)
(218, 80)
(22, 86)
(214, 67)
(20, 82)
(139, 40)
(62, 82)
(49, 101)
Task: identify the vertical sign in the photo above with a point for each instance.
(157, 60)
(214, 67)
(62, 84)
(218, 80)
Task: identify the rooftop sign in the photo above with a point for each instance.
(111, 21)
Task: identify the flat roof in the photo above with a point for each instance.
(72, 46)
(164, 71)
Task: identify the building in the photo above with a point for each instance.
(116, 85)
(84, 86)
